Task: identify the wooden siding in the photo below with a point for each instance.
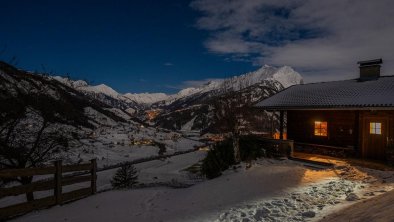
(342, 127)
(346, 128)
(387, 117)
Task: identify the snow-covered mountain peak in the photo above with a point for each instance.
(82, 85)
(284, 75)
(146, 98)
(287, 76)
(79, 83)
(71, 83)
(208, 86)
(104, 89)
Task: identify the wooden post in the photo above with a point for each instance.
(272, 124)
(58, 182)
(281, 120)
(291, 145)
(356, 133)
(93, 173)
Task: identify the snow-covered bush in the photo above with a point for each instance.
(218, 159)
(251, 148)
(221, 156)
(125, 177)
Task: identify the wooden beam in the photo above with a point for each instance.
(58, 182)
(58, 197)
(356, 132)
(35, 186)
(272, 124)
(78, 167)
(22, 208)
(93, 172)
(281, 120)
(26, 172)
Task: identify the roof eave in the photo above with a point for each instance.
(369, 108)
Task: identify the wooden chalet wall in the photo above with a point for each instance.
(346, 128)
(342, 127)
(376, 152)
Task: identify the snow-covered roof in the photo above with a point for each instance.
(347, 94)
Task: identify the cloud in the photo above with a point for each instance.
(168, 64)
(321, 39)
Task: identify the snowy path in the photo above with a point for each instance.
(378, 209)
(268, 191)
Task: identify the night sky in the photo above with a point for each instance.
(162, 46)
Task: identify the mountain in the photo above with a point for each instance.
(45, 112)
(62, 104)
(96, 116)
(146, 98)
(191, 108)
(196, 108)
(103, 93)
(285, 75)
(82, 85)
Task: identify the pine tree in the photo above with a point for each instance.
(125, 177)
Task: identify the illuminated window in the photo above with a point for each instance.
(375, 128)
(320, 128)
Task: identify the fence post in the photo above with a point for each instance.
(291, 144)
(93, 173)
(58, 181)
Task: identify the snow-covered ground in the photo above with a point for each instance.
(169, 171)
(115, 143)
(158, 171)
(270, 190)
(377, 209)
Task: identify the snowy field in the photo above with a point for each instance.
(153, 173)
(126, 142)
(270, 190)
(113, 143)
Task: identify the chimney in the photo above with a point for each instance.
(370, 69)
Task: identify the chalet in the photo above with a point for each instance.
(352, 117)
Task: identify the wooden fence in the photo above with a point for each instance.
(277, 147)
(335, 151)
(56, 184)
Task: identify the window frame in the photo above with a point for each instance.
(320, 128)
(375, 128)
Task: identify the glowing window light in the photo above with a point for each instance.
(320, 128)
(375, 128)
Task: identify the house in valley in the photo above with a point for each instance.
(349, 117)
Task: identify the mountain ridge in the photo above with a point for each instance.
(285, 75)
(193, 108)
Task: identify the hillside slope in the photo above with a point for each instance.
(197, 110)
(20, 90)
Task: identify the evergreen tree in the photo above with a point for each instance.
(125, 177)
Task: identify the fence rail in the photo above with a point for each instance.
(59, 180)
(335, 151)
(278, 147)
